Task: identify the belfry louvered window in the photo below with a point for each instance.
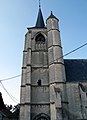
(40, 39)
(40, 42)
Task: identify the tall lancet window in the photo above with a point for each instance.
(40, 42)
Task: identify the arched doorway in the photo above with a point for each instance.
(41, 116)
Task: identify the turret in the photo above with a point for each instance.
(56, 63)
(56, 68)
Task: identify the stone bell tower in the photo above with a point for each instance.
(43, 74)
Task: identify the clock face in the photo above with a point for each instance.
(40, 38)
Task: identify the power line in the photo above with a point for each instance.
(75, 49)
(72, 51)
(11, 78)
(13, 98)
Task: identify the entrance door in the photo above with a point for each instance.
(41, 116)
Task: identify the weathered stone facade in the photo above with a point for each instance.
(45, 92)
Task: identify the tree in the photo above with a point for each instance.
(2, 105)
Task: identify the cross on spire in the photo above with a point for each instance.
(39, 4)
(40, 20)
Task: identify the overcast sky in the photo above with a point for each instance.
(17, 15)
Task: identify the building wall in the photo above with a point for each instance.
(35, 68)
(77, 101)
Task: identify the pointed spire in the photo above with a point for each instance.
(52, 16)
(40, 20)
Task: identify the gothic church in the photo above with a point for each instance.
(52, 88)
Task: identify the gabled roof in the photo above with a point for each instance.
(40, 20)
(76, 70)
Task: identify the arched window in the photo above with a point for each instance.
(41, 116)
(40, 39)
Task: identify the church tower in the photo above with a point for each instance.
(43, 74)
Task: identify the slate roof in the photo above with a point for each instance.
(40, 20)
(76, 70)
(52, 16)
